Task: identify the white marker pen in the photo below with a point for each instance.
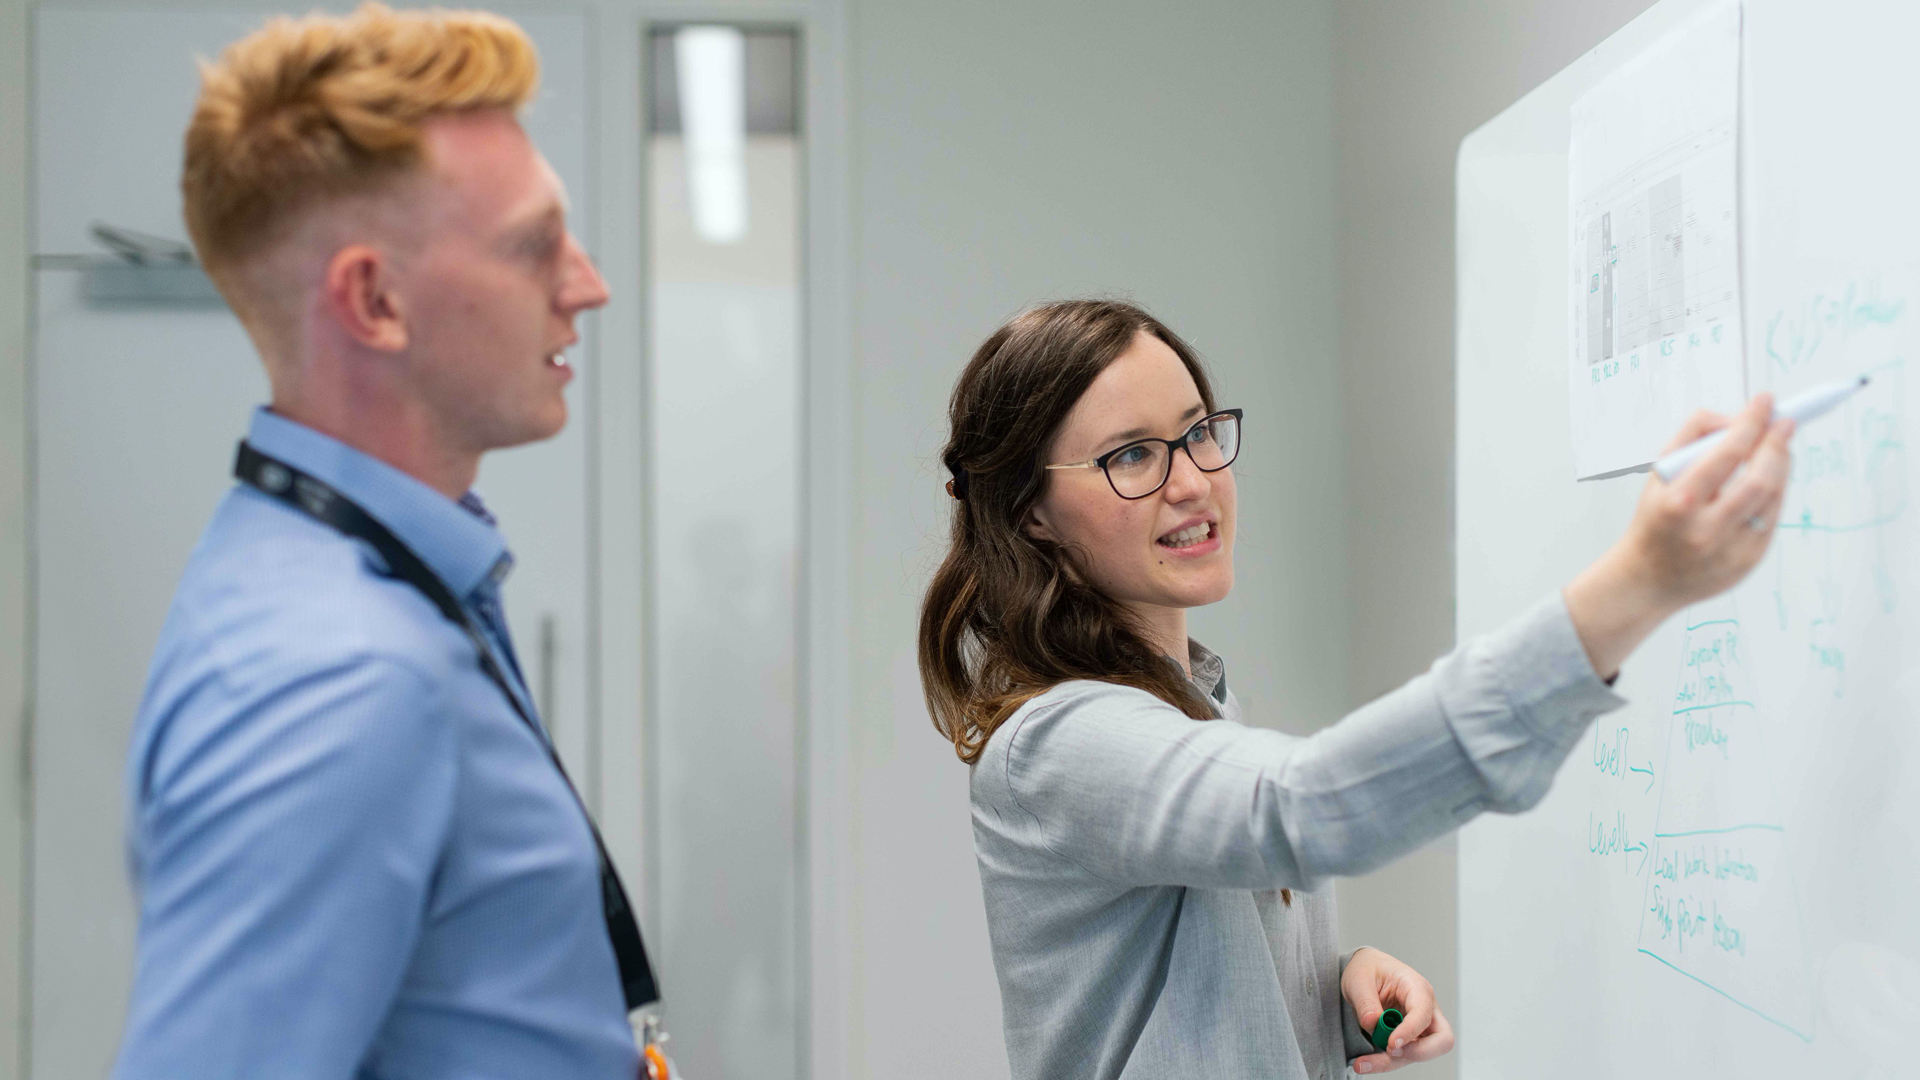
(1806, 406)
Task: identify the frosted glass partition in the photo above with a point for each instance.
(724, 475)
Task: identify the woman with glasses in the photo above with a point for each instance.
(1154, 871)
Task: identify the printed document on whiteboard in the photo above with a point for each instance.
(1656, 259)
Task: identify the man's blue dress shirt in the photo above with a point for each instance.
(354, 859)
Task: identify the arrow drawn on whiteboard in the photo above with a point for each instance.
(1640, 847)
(1648, 770)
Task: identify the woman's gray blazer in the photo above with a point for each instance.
(1131, 857)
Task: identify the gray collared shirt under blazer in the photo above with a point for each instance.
(1132, 857)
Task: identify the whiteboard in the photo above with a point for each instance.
(1723, 880)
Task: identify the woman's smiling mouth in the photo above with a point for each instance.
(1187, 537)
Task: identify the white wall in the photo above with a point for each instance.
(14, 300)
(1414, 77)
(1006, 151)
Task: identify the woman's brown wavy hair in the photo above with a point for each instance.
(1007, 616)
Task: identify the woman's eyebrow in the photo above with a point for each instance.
(1192, 413)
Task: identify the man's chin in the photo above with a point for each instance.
(556, 423)
(533, 429)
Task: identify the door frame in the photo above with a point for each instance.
(821, 844)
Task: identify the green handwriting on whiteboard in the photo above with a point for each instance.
(1795, 337)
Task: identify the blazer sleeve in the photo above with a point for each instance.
(1137, 793)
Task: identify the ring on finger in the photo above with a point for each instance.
(1759, 524)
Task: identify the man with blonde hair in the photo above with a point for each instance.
(356, 853)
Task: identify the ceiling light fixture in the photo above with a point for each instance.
(713, 122)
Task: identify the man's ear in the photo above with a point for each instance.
(362, 298)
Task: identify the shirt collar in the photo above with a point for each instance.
(457, 540)
(1209, 671)
(1206, 671)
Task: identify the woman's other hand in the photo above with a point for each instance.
(1374, 982)
(1690, 539)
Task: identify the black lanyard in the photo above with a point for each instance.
(314, 498)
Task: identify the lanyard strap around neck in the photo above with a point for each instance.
(318, 500)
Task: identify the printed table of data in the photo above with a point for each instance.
(1655, 248)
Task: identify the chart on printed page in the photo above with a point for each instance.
(1655, 246)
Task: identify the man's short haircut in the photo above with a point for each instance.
(308, 110)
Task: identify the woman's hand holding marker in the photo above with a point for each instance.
(1689, 539)
(1372, 981)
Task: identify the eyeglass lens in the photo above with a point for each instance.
(1138, 469)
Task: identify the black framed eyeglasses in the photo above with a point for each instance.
(1142, 467)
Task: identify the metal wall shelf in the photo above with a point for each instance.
(144, 271)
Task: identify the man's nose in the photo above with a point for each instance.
(583, 287)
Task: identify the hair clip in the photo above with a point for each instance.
(957, 487)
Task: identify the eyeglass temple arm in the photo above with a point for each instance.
(1076, 465)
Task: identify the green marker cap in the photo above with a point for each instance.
(1383, 1030)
